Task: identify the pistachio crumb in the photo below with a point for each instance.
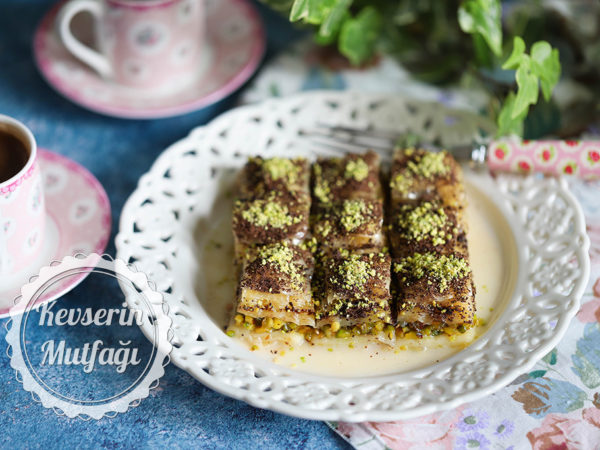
(442, 268)
(429, 164)
(353, 214)
(267, 213)
(423, 221)
(278, 168)
(401, 183)
(355, 272)
(281, 257)
(357, 169)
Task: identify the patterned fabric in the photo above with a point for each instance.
(581, 158)
(555, 405)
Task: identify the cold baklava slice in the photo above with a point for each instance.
(426, 227)
(434, 292)
(351, 177)
(277, 217)
(356, 293)
(275, 285)
(261, 176)
(352, 224)
(419, 175)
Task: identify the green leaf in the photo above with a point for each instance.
(528, 89)
(333, 22)
(358, 36)
(483, 17)
(300, 10)
(515, 57)
(540, 51)
(540, 69)
(507, 125)
(311, 11)
(545, 64)
(537, 374)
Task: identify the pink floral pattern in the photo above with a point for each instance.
(567, 431)
(15, 184)
(554, 157)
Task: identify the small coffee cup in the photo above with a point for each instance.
(143, 44)
(22, 208)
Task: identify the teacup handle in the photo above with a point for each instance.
(91, 57)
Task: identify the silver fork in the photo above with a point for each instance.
(346, 139)
(553, 157)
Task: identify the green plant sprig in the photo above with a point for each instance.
(359, 28)
(540, 69)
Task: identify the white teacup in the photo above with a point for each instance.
(141, 43)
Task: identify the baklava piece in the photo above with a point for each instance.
(435, 292)
(419, 175)
(356, 293)
(260, 177)
(426, 227)
(277, 217)
(275, 287)
(351, 177)
(352, 224)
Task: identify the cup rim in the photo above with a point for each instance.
(140, 4)
(25, 132)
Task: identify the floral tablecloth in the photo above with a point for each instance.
(557, 404)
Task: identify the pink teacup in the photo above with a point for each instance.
(22, 210)
(142, 44)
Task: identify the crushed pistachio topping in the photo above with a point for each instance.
(268, 213)
(354, 272)
(321, 190)
(281, 257)
(278, 168)
(310, 244)
(441, 268)
(401, 183)
(323, 228)
(357, 169)
(353, 214)
(429, 164)
(423, 221)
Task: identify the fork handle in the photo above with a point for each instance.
(580, 158)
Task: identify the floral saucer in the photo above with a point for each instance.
(235, 45)
(79, 221)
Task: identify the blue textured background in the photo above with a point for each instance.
(182, 412)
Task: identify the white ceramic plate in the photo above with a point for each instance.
(537, 220)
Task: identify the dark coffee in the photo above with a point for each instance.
(13, 155)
